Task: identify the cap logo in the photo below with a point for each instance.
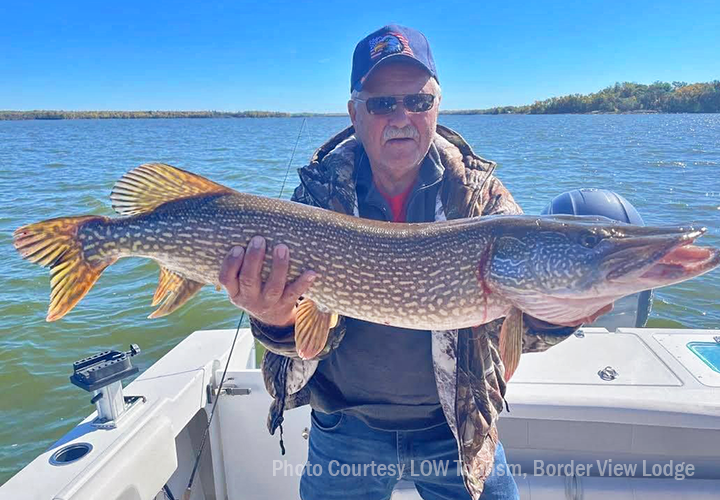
(390, 43)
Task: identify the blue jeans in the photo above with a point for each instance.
(349, 460)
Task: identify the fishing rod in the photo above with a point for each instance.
(188, 489)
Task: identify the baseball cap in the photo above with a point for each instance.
(390, 42)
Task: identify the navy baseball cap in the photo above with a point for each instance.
(387, 43)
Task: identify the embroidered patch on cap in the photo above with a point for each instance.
(390, 43)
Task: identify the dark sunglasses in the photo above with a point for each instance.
(384, 105)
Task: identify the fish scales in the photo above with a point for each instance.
(363, 266)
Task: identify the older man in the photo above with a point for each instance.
(395, 403)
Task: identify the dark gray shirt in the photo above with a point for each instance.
(383, 374)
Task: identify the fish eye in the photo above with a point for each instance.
(589, 240)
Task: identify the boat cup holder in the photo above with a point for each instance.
(70, 454)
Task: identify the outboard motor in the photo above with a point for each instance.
(631, 311)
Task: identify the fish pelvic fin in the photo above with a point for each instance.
(511, 336)
(168, 281)
(312, 327)
(173, 291)
(152, 184)
(54, 243)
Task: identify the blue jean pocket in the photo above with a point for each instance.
(326, 421)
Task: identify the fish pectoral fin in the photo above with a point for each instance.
(311, 328)
(511, 337)
(55, 244)
(150, 185)
(173, 291)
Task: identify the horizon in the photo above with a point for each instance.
(267, 113)
(284, 57)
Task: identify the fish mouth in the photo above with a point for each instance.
(660, 256)
(686, 260)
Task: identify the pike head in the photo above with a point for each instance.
(563, 269)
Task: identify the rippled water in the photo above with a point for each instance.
(668, 166)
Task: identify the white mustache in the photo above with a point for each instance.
(407, 132)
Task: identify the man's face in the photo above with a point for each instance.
(396, 142)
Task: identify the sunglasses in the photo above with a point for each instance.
(384, 105)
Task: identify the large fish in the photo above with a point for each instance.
(429, 276)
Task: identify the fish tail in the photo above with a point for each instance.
(55, 243)
(511, 336)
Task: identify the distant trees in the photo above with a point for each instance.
(626, 97)
(73, 115)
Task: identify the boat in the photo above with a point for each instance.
(633, 413)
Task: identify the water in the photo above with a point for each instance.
(668, 166)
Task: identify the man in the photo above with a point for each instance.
(391, 399)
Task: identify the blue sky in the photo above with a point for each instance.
(295, 56)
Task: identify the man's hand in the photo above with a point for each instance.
(273, 302)
(592, 318)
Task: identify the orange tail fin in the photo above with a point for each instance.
(55, 244)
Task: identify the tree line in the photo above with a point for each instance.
(626, 97)
(76, 115)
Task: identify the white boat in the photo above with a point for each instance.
(639, 406)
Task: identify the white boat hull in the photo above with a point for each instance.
(569, 434)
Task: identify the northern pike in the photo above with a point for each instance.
(428, 276)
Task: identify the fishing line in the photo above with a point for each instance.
(282, 188)
(188, 490)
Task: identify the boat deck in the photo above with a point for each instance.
(662, 407)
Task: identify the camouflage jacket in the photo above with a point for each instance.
(467, 366)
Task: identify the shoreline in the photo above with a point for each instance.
(196, 115)
(625, 98)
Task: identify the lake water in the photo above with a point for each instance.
(667, 166)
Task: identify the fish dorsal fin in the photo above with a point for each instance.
(152, 184)
(173, 291)
(311, 328)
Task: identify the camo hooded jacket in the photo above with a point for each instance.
(467, 366)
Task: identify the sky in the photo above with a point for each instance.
(296, 56)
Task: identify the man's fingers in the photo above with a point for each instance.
(249, 278)
(241, 275)
(275, 285)
(230, 269)
(590, 319)
(298, 287)
(602, 311)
